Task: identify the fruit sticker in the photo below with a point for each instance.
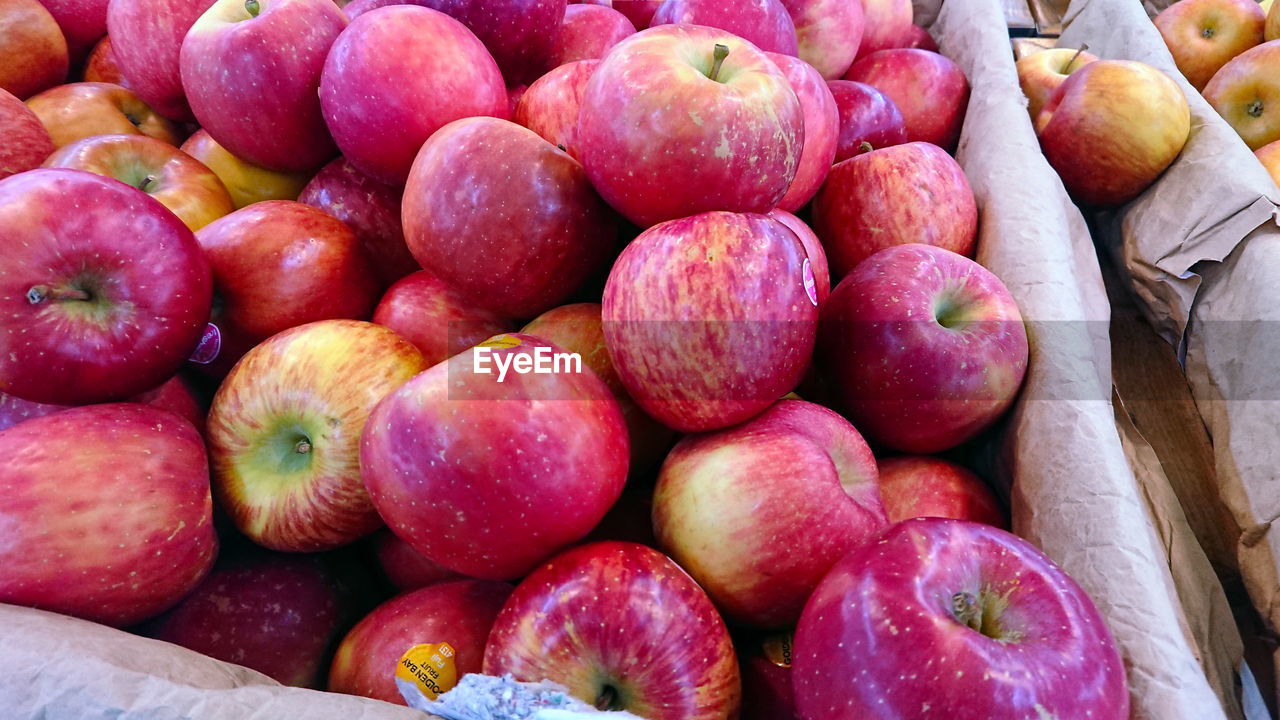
(430, 668)
(810, 285)
(777, 649)
(501, 341)
(209, 347)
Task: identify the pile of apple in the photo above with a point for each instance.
(342, 165)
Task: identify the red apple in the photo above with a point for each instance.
(550, 106)
(1041, 73)
(580, 328)
(180, 182)
(279, 264)
(765, 23)
(929, 89)
(920, 486)
(406, 568)
(104, 291)
(588, 32)
(623, 628)
(966, 620)
(429, 313)
(173, 395)
(33, 51)
(102, 65)
(913, 193)
(147, 40)
(275, 613)
(661, 142)
(639, 12)
(1203, 35)
(821, 128)
(765, 663)
(919, 38)
(812, 248)
(531, 230)
(370, 208)
(83, 24)
(887, 24)
(383, 97)
(926, 347)
(1241, 93)
(759, 513)
(717, 285)
(520, 34)
(80, 110)
(867, 118)
(246, 182)
(26, 142)
(476, 469)
(459, 613)
(828, 33)
(1114, 126)
(284, 432)
(106, 510)
(258, 102)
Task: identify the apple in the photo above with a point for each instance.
(102, 65)
(531, 230)
(588, 32)
(174, 395)
(82, 22)
(660, 142)
(759, 513)
(1271, 30)
(267, 111)
(926, 348)
(433, 316)
(929, 89)
(404, 567)
(179, 181)
(1202, 35)
(1114, 125)
(26, 142)
(913, 193)
(33, 48)
(383, 97)
(886, 24)
(1041, 73)
(765, 663)
(687, 294)
(370, 208)
(1239, 92)
(520, 34)
(812, 249)
(764, 23)
(821, 128)
(918, 37)
(639, 12)
(284, 432)
(481, 472)
(585, 619)
(828, 33)
(275, 613)
(247, 183)
(258, 255)
(104, 291)
(550, 106)
(107, 514)
(147, 40)
(966, 620)
(1269, 156)
(921, 486)
(514, 94)
(868, 119)
(80, 110)
(579, 328)
(459, 613)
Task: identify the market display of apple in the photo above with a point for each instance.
(1241, 92)
(1041, 73)
(868, 120)
(1203, 35)
(928, 88)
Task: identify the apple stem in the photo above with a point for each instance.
(1082, 48)
(965, 607)
(866, 147)
(146, 183)
(720, 53)
(39, 293)
(608, 698)
(252, 7)
(303, 447)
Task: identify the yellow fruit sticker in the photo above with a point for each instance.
(777, 649)
(430, 667)
(501, 341)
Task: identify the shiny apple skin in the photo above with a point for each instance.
(588, 32)
(764, 23)
(828, 33)
(866, 116)
(921, 486)
(147, 41)
(821, 129)
(550, 106)
(80, 110)
(33, 51)
(929, 89)
(246, 182)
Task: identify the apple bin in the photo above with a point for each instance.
(1065, 467)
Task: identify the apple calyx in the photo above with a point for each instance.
(981, 614)
(1207, 33)
(1066, 69)
(40, 293)
(1254, 108)
(608, 699)
(303, 446)
(252, 7)
(866, 147)
(719, 54)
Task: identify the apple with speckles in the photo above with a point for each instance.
(146, 40)
(821, 128)
(427, 312)
(926, 348)
(828, 33)
(710, 319)
(105, 512)
(623, 628)
(929, 89)
(101, 302)
(588, 32)
(650, 121)
(550, 106)
(520, 34)
(813, 250)
(764, 23)
(26, 142)
(922, 486)
(284, 432)
(759, 513)
(959, 617)
(868, 119)
(490, 472)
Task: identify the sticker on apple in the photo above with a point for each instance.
(810, 284)
(428, 668)
(209, 347)
(501, 341)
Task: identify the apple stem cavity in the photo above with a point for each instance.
(252, 7)
(1067, 68)
(1254, 108)
(39, 293)
(719, 54)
